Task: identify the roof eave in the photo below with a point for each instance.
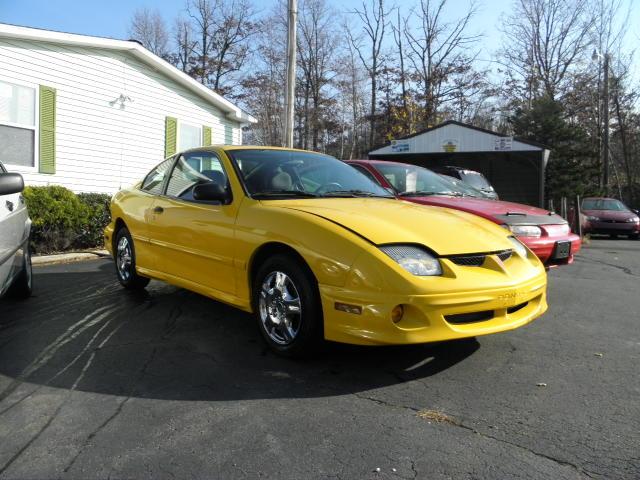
(25, 33)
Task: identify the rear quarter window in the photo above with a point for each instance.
(154, 180)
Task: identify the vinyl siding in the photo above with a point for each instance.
(100, 146)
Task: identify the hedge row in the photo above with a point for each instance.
(63, 220)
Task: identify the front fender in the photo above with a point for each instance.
(326, 247)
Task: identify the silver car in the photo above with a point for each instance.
(15, 227)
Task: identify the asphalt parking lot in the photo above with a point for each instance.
(96, 382)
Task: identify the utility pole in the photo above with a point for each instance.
(290, 86)
(605, 137)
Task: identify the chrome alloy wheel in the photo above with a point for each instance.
(123, 258)
(280, 308)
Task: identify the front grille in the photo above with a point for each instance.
(506, 255)
(478, 259)
(470, 261)
(470, 317)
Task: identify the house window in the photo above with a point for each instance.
(17, 124)
(189, 136)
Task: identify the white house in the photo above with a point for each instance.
(95, 114)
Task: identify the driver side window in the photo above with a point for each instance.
(193, 169)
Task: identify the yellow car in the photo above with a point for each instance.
(318, 251)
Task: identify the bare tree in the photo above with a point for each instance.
(546, 38)
(223, 28)
(373, 17)
(263, 88)
(316, 48)
(148, 27)
(398, 36)
(233, 27)
(351, 86)
(440, 50)
(185, 44)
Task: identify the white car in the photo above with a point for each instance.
(15, 227)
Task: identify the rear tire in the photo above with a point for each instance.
(22, 286)
(124, 255)
(287, 307)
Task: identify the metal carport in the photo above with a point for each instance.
(515, 167)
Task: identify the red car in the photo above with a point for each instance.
(548, 235)
(610, 216)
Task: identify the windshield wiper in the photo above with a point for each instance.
(425, 193)
(285, 193)
(352, 193)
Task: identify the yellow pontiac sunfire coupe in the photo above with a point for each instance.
(317, 251)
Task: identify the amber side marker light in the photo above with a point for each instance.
(397, 313)
(345, 307)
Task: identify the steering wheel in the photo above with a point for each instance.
(327, 187)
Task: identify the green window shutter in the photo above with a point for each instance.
(170, 136)
(47, 134)
(206, 135)
(228, 135)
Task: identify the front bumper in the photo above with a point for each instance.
(544, 248)
(622, 228)
(431, 318)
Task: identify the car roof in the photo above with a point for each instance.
(385, 162)
(228, 148)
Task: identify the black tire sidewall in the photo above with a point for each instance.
(21, 287)
(311, 332)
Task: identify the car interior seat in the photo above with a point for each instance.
(282, 181)
(216, 176)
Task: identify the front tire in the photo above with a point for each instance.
(287, 306)
(125, 260)
(22, 286)
(634, 236)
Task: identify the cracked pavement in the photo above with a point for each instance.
(97, 382)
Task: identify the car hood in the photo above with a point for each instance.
(609, 214)
(499, 211)
(382, 221)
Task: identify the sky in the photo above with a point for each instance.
(111, 18)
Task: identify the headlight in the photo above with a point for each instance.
(593, 219)
(525, 230)
(518, 247)
(633, 220)
(414, 259)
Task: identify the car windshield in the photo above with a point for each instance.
(291, 173)
(475, 179)
(410, 180)
(604, 204)
(464, 188)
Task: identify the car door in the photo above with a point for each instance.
(13, 222)
(140, 212)
(194, 240)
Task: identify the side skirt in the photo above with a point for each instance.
(242, 304)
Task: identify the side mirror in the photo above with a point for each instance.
(211, 192)
(11, 183)
(636, 211)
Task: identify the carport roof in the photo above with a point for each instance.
(461, 129)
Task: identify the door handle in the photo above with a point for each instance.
(158, 209)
